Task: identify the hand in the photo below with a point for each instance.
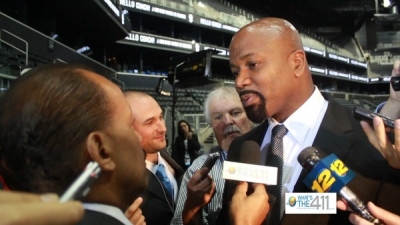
(387, 217)
(134, 213)
(22, 208)
(378, 138)
(241, 203)
(391, 108)
(199, 193)
(189, 135)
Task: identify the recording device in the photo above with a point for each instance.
(329, 174)
(364, 114)
(210, 161)
(395, 82)
(81, 186)
(250, 167)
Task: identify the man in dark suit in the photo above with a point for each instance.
(54, 121)
(275, 84)
(159, 199)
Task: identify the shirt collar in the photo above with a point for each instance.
(109, 210)
(300, 122)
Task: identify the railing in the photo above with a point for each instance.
(16, 48)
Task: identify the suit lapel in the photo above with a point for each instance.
(156, 188)
(333, 136)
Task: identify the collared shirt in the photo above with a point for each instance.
(302, 127)
(109, 210)
(170, 172)
(212, 209)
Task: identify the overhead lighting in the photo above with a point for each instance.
(387, 3)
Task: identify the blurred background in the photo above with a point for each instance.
(350, 44)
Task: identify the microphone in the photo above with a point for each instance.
(250, 167)
(329, 174)
(250, 153)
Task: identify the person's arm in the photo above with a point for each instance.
(378, 138)
(249, 210)
(384, 216)
(200, 192)
(18, 208)
(183, 195)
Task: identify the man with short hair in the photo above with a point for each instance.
(54, 121)
(225, 113)
(159, 198)
(275, 85)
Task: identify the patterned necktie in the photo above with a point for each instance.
(162, 176)
(275, 159)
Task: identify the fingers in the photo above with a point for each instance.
(356, 220)
(379, 128)
(199, 175)
(396, 68)
(133, 207)
(259, 188)
(387, 217)
(6, 196)
(342, 205)
(241, 189)
(369, 131)
(32, 213)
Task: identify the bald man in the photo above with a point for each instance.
(274, 82)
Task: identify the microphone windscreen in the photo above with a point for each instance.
(250, 153)
(305, 154)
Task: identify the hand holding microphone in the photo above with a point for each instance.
(331, 175)
(387, 217)
(241, 203)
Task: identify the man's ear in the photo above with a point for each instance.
(299, 62)
(96, 147)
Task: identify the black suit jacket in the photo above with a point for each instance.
(341, 134)
(179, 150)
(158, 207)
(97, 218)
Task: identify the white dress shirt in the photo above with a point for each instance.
(109, 210)
(170, 172)
(302, 127)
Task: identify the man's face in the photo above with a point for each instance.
(149, 123)
(260, 64)
(228, 120)
(124, 140)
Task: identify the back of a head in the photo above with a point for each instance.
(45, 118)
(224, 92)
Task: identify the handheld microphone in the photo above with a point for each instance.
(329, 174)
(250, 168)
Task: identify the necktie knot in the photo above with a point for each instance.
(162, 176)
(279, 131)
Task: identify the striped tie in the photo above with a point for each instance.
(275, 159)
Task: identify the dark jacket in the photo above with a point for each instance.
(178, 152)
(341, 134)
(158, 207)
(97, 218)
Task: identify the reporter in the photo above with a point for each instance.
(22, 208)
(249, 209)
(386, 217)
